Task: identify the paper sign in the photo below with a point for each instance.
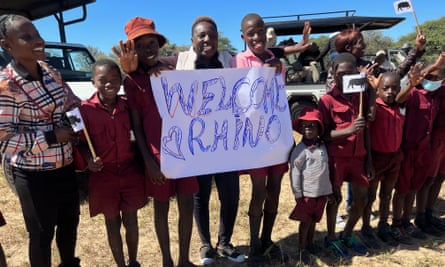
(403, 6)
(75, 119)
(354, 83)
(220, 120)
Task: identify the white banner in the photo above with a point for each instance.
(403, 6)
(219, 120)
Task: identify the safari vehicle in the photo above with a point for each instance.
(307, 94)
(74, 61)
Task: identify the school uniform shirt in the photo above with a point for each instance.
(139, 93)
(439, 122)
(187, 60)
(30, 110)
(386, 130)
(339, 112)
(249, 59)
(110, 132)
(421, 110)
(309, 171)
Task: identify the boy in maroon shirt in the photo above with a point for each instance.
(345, 139)
(116, 183)
(422, 106)
(386, 136)
(427, 195)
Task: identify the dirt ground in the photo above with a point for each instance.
(92, 246)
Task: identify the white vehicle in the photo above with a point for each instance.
(74, 62)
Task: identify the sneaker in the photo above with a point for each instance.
(428, 228)
(413, 231)
(207, 255)
(134, 264)
(304, 257)
(368, 237)
(339, 222)
(314, 248)
(438, 223)
(230, 252)
(255, 258)
(384, 233)
(353, 243)
(337, 248)
(398, 233)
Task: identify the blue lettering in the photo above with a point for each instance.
(192, 138)
(220, 136)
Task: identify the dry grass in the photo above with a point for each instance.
(92, 245)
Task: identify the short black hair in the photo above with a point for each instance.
(250, 16)
(105, 62)
(204, 19)
(344, 57)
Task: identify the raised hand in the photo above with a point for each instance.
(128, 58)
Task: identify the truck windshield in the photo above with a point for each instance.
(74, 64)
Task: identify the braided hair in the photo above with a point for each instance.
(5, 22)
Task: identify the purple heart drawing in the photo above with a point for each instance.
(171, 144)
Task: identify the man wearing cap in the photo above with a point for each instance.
(144, 43)
(382, 60)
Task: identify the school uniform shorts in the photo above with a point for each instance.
(111, 193)
(270, 170)
(309, 209)
(416, 167)
(350, 169)
(172, 187)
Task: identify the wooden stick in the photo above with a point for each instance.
(90, 145)
(419, 31)
(360, 106)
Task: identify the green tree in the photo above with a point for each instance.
(224, 44)
(375, 41)
(435, 36)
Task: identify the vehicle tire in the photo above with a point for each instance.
(297, 106)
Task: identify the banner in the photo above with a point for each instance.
(403, 6)
(219, 120)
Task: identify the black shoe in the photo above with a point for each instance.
(230, 252)
(255, 258)
(384, 233)
(314, 248)
(438, 223)
(413, 231)
(207, 254)
(368, 237)
(305, 257)
(134, 264)
(399, 234)
(428, 228)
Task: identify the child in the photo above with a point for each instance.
(421, 109)
(345, 139)
(266, 181)
(116, 183)
(309, 174)
(143, 38)
(386, 136)
(438, 146)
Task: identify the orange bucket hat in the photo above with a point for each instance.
(139, 26)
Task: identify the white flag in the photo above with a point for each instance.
(403, 6)
(75, 119)
(354, 83)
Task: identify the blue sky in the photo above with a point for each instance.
(106, 18)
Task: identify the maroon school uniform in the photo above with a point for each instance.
(386, 134)
(119, 186)
(140, 97)
(438, 136)
(346, 155)
(421, 110)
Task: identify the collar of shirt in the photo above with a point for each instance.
(250, 54)
(23, 72)
(120, 102)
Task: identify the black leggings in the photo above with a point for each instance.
(50, 202)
